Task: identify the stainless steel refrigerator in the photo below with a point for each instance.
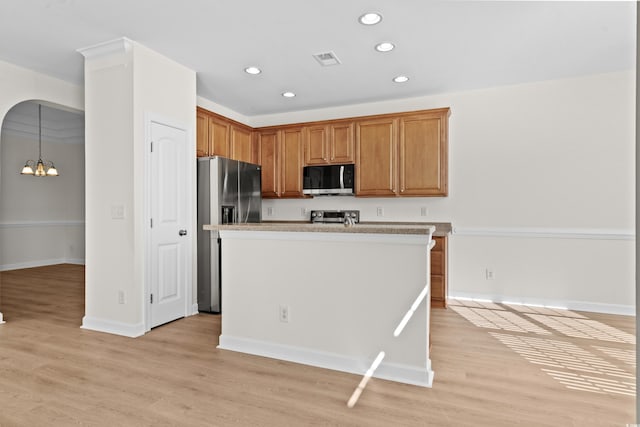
(229, 191)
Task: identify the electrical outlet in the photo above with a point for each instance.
(269, 211)
(303, 212)
(284, 313)
(120, 297)
(489, 274)
(379, 211)
(424, 211)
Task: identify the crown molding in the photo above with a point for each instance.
(118, 46)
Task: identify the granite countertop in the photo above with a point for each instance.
(299, 226)
(442, 228)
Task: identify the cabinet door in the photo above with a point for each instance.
(291, 152)
(316, 144)
(423, 156)
(341, 143)
(218, 137)
(269, 159)
(376, 149)
(439, 272)
(202, 141)
(241, 147)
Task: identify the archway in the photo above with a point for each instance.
(41, 219)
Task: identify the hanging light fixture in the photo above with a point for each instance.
(42, 167)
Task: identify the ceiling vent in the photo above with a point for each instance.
(327, 58)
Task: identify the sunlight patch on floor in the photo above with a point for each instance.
(602, 368)
(498, 319)
(560, 354)
(592, 384)
(584, 328)
(626, 356)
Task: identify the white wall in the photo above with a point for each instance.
(541, 174)
(346, 293)
(124, 82)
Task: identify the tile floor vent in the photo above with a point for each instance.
(327, 58)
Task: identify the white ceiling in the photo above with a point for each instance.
(443, 46)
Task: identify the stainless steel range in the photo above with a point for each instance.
(338, 217)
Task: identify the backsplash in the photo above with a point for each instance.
(419, 209)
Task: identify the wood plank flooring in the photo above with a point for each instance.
(495, 365)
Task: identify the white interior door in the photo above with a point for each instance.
(170, 234)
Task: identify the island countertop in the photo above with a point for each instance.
(306, 227)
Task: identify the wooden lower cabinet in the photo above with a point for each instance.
(439, 272)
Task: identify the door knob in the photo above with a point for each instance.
(182, 233)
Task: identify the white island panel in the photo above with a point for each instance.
(345, 293)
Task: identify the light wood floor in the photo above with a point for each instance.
(495, 366)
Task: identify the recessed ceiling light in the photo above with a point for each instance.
(288, 94)
(401, 79)
(385, 47)
(371, 18)
(252, 70)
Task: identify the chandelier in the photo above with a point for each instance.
(42, 167)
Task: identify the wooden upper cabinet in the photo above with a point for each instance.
(341, 144)
(403, 154)
(218, 137)
(329, 144)
(202, 140)
(423, 155)
(241, 144)
(376, 152)
(270, 162)
(212, 135)
(292, 155)
(281, 157)
(316, 145)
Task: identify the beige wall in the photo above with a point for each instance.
(124, 83)
(41, 219)
(550, 161)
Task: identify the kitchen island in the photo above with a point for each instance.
(329, 296)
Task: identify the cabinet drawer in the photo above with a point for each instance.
(437, 287)
(437, 264)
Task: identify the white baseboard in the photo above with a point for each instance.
(388, 371)
(625, 310)
(40, 263)
(111, 327)
(194, 309)
(1, 321)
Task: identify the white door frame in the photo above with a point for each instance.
(150, 118)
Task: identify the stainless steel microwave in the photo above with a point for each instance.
(329, 180)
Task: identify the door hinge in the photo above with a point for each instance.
(152, 146)
(151, 300)
(151, 222)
